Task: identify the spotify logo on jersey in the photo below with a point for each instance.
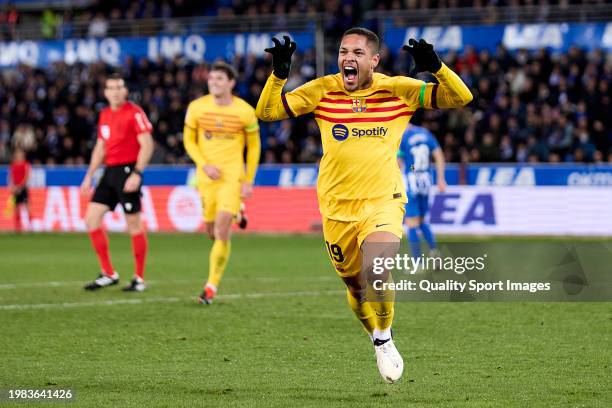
(340, 132)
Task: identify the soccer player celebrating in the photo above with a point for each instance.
(18, 177)
(125, 146)
(362, 115)
(217, 127)
(417, 145)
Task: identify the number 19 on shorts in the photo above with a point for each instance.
(335, 252)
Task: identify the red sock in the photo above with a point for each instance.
(139, 249)
(17, 218)
(99, 240)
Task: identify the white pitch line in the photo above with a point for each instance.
(85, 304)
(137, 301)
(51, 284)
(56, 284)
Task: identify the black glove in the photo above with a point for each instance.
(281, 56)
(425, 58)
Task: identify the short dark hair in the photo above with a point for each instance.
(115, 76)
(370, 36)
(225, 67)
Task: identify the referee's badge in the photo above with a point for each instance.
(105, 130)
(359, 105)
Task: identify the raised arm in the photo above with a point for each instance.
(272, 105)
(451, 92)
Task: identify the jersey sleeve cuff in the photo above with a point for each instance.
(434, 96)
(252, 128)
(277, 79)
(286, 106)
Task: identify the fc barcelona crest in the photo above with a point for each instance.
(359, 105)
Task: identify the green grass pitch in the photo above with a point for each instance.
(280, 334)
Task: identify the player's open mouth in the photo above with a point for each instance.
(350, 74)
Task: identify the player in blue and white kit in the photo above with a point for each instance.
(416, 149)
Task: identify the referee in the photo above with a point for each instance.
(19, 175)
(124, 145)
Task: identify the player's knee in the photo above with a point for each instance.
(91, 224)
(92, 221)
(356, 286)
(357, 292)
(222, 231)
(134, 230)
(223, 225)
(134, 224)
(210, 230)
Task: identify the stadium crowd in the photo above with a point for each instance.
(100, 18)
(528, 107)
(52, 113)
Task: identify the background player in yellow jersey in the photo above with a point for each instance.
(362, 116)
(217, 127)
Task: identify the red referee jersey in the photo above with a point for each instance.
(18, 172)
(120, 129)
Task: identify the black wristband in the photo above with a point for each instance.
(136, 171)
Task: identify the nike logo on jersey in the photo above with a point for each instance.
(380, 225)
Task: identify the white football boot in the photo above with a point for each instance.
(389, 360)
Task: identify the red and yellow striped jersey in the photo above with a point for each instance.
(361, 133)
(221, 133)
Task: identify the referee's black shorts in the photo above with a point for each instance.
(110, 189)
(21, 196)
